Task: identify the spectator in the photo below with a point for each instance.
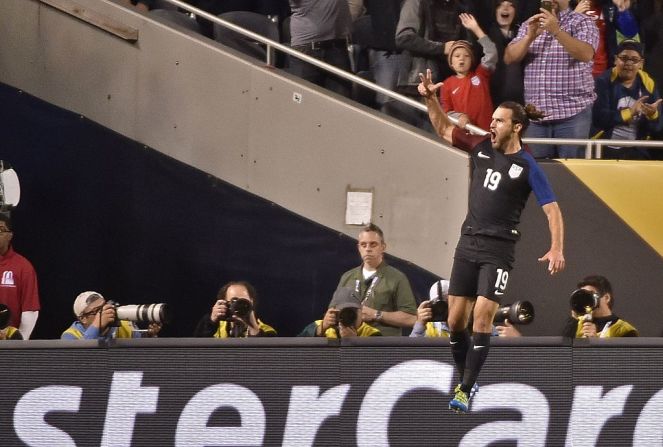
(426, 31)
(385, 59)
(628, 104)
(233, 314)
(557, 49)
(652, 24)
(274, 8)
(466, 95)
(18, 286)
(96, 320)
(342, 320)
(506, 83)
(320, 29)
(523, 9)
(8, 332)
(387, 300)
(616, 20)
(140, 5)
(357, 9)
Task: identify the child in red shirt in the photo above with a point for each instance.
(466, 95)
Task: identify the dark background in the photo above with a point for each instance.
(101, 212)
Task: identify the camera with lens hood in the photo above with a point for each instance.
(583, 302)
(142, 313)
(520, 312)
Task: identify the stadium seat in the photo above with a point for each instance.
(258, 23)
(176, 17)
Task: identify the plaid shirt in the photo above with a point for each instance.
(557, 84)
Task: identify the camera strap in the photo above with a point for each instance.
(371, 287)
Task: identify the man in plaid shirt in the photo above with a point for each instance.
(557, 48)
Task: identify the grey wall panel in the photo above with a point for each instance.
(236, 120)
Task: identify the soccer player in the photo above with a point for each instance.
(503, 175)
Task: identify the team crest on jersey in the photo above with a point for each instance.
(515, 171)
(475, 80)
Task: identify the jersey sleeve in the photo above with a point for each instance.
(539, 183)
(465, 141)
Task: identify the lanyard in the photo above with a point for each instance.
(369, 292)
(604, 331)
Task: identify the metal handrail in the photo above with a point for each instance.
(589, 144)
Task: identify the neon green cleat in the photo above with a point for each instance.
(461, 402)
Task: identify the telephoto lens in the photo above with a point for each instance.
(584, 301)
(144, 313)
(520, 312)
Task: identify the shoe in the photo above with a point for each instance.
(461, 402)
(474, 390)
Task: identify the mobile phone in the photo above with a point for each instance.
(547, 4)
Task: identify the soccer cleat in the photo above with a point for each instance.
(461, 402)
(474, 390)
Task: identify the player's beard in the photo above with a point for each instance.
(500, 141)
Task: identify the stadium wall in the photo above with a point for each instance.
(536, 392)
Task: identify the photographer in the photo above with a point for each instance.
(8, 332)
(96, 319)
(388, 303)
(432, 313)
(601, 322)
(233, 314)
(343, 318)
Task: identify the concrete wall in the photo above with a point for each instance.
(234, 119)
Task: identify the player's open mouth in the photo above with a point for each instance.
(493, 136)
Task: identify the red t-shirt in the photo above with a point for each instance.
(469, 95)
(601, 56)
(18, 285)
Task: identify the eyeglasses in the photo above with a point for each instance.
(633, 60)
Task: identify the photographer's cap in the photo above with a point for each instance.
(345, 297)
(83, 300)
(437, 287)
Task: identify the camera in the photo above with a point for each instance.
(547, 5)
(438, 294)
(142, 313)
(348, 316)
(583, 302)
(5, 316)
(520, 312)
(440, 309)
(239, 307)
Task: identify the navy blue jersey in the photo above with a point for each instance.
(500, 187)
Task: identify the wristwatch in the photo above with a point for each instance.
(378, 315)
